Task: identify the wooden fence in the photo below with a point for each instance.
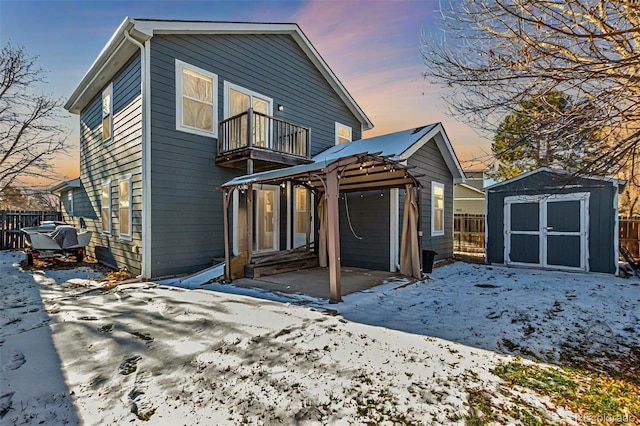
(630, 235)
(468, 233)
(11, 238)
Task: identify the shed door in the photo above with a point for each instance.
(547, 231)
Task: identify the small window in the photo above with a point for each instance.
(107, 113)
(124, 206)
(437, 209)
(70, 203)
(196, 97)
(106, 207)
(343, 133)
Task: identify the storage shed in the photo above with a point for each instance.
(554, 220)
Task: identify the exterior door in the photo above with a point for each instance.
(302, 217)
(267, 218)
(549, 231)
(241, 100)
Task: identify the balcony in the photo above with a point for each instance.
(268, 141)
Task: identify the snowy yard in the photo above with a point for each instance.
(440, 351)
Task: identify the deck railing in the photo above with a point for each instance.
(254, 129)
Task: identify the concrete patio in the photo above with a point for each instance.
(314, 282)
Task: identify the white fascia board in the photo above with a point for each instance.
(444, 145)
(110, 60)
(151, 27)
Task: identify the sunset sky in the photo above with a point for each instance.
(372, 46)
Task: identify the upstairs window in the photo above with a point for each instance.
(105, 207)
(437, 209)
(107, 113)
(196, 97)
(343, 133)
(124, 206)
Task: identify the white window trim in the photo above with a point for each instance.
(338, 125)
(106, 182)
(214, 77)
(110, 89)
(70, 201)
(129, 236)
(434, 232)
(228, 85)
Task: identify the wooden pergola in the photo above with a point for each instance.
(327, 178)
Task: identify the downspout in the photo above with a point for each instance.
(146, 158)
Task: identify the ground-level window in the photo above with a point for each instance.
(196, 97)
(437, 209)
(105, 207)
(124, 206)
(70, 203)
(107, 113)
(344, 133)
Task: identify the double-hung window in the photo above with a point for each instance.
(437, 209)
(196, 98)
(344, 133)
(105, 206)
(107, 113)
(124, 207)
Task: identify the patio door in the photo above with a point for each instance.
(549, 231)
(266, 218)
(240, 100)
(302, 216)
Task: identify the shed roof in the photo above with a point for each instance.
(613, 181)
(119, 49)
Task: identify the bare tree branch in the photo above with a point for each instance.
(30, 131)
(495, 55)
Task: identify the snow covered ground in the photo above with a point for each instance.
(73, 353)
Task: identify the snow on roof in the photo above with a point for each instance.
(392, 144)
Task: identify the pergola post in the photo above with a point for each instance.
(226, 198)
(333, 237)
(419, 191)
(249, 241)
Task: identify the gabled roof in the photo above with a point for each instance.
(65, 186)
(614, 181)
(471, 188)
(402, 145)
(119, 49)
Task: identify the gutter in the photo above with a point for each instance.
(146, 153)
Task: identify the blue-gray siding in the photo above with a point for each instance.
(369, 213)
(186, 211)
(119, 157)
(602, 215)
(429, 161)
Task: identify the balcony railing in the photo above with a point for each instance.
(252, 129)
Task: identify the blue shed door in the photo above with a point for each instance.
(549, 231)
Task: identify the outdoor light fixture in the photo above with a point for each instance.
(280, 107)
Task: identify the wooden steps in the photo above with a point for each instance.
(283, 261)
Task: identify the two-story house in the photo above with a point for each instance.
(171, 110)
